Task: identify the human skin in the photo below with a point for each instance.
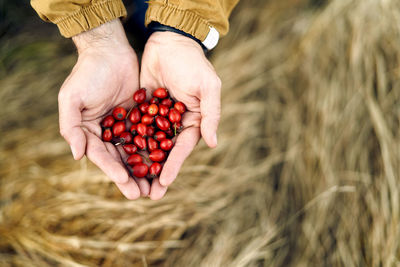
(106, 75)
(176, 62)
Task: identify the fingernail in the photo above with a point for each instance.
(215, 139)
(73, 152)
(162, 182)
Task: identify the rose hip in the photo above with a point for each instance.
(169, 132)
(140, 142)
(152, 144)
(152, 124)
(140, 96)
(134, 159)
(133, 129)
(178, 127)
(180, 107)
(141, 129)
(160, 136)
(119, 113)
(140, 170)
(160, 93)
(107, 135)
(163, 110)
(154, 100)
(144, 107)
(125, 138)
(118, 128)
(174, 116)
(166, 144)
(167, 102)
(108, 121)
(147, 119)
(152, 110)
(130, 149)
(134, 116)
(155, 170)
(157, 155)
(150, 131)
(162, 123)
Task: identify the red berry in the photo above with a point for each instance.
(167, 102)
(119, 113)
(160, 136)
(160, 93)
(169, 132)
(180, 107)
(155, 170)
(130, 149)
(140, 142)
(152, 110)
(134, 116)
(147, 119)
(154, 100)
(157, 155)
(166, 144)
(134, 159)
(142, 129)
(140, 96)
(118, 128)
(152, 144)
(162, 123)
(144, 107)
(107, 135)
(133, 129)
(174, 116)
(125, 138)
(150, 131)
(108, 121)
(140, 170)
(163, 110)
(178, 127)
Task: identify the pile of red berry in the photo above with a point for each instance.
(148, 127)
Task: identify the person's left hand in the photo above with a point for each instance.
(178, 63)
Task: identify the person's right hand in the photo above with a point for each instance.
(105, 76)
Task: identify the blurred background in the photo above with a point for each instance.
(306, 172)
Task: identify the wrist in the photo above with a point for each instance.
(110, 35)
(155, 26)
(175, 40)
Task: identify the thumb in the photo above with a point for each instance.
(70, 120)
(210, 108)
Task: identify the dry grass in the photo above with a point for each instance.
(306, 172)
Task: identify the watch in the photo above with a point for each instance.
(209, 43)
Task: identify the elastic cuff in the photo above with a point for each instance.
(91, 17)
(184, 20)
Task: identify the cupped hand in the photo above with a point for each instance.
(176, 62)
(105, 76)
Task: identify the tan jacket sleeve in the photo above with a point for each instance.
(76, 16)
(193, 17)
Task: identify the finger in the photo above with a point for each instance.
(184, 145)
(144, 186)
(70, 120)
(210, 108)
(157, 190)
(129, 189)
(142, 183)
(97, 152)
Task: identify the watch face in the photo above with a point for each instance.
(212, 39)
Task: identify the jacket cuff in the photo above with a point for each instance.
(184, 20)
(90, 17)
